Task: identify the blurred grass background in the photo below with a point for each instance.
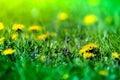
(45, 11)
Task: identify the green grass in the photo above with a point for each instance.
(61, 52)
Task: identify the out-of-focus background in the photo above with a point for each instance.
(45, 11)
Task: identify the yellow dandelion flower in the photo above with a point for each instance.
(8, 51)
(88, 55)
(42, 36)
(42, 58)
(88, 47)
(65, 76)
(2, 40)
(103, 73)
(115, 55)
(35, 28)
(84, 49)
(89, 19)
(63, 16)
(17, 27)
(14, 36)
(1, 26)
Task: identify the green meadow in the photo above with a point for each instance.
(59, 39)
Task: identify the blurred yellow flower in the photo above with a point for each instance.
(1, 26)
(65, 76)
(103, 73)
(8, 51)
(2, 40)
(42, 58)
(88, 47)
(14, 36)
(42, 36)
(115, 55)
(89, 19)
(62, 16)
(35, 28)
(88, 55)
(88, 51)
(17, 27)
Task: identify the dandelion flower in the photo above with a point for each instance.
(8, 51)
(35, 28)
(65, 76)
(89, 19)
(103, 73)
(14, 36)
(42, 36)
(89, 50)
(42, 58)
(1, 26)
(63, 16)
(18, 27)
(2, 40)
(88, 55)
(115, 55)
(88, 47)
